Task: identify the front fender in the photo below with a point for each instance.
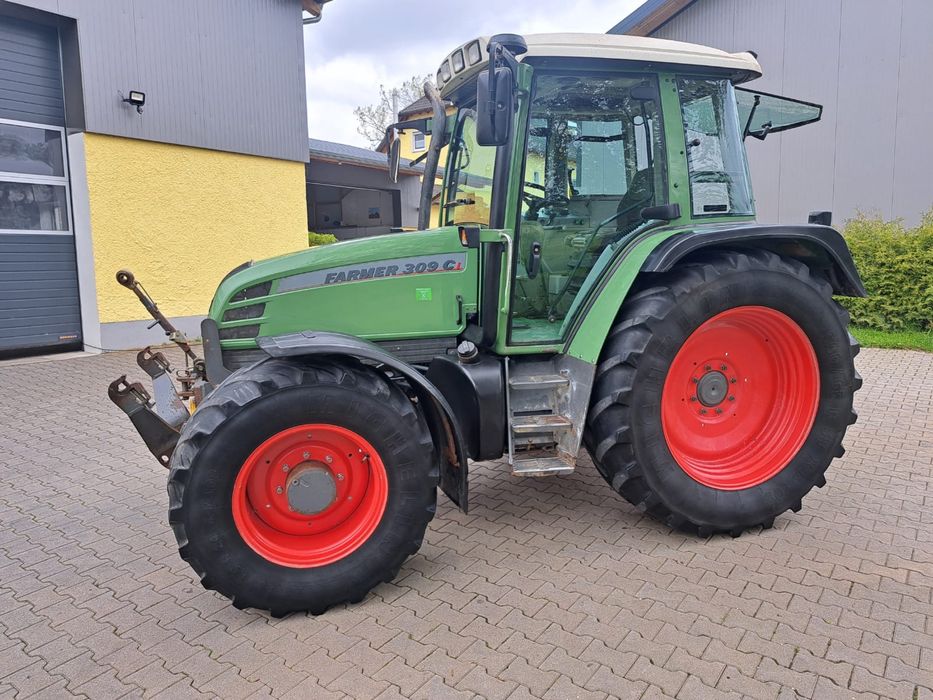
(438, 413)
(822, 247)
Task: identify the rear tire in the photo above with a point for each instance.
(281, 446)
(723, 392)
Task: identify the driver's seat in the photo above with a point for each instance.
(638, 196)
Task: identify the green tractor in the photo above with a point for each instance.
(596, 277)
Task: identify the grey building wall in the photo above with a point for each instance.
(211, 70)
(869, 63)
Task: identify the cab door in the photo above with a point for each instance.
(594, 159)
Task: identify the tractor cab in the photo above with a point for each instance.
(575, 146)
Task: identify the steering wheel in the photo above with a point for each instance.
(536, 203)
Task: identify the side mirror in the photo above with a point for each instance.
(494, 107)
(394, 154)
(661, 212)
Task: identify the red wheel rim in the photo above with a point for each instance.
(310, 495)
(740, 398)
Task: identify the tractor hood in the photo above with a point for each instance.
(406, 285)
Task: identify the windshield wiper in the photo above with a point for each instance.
(460, 202)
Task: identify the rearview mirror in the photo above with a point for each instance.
(661, 212)
(394, 154)
(494, 107)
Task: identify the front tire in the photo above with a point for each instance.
(723, 392)
(299, 486)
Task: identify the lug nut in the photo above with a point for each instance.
(278, 489)
(708, 368)
(328, 459)
(693, 398)
(733, 380)
(722, 367)
(718, 410)
(732, 398)
(703, 411)
(695, 380)
(284, 467)
(305, 454)
(340, 477)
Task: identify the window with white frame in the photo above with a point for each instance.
(33, 179)
(417, 141)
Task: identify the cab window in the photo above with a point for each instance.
(718, 171)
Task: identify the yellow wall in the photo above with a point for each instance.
(181, 218)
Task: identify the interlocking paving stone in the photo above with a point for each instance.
(551, 588)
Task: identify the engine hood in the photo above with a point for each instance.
(406, 285)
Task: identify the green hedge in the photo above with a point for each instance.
(896, 265)
(315, 239)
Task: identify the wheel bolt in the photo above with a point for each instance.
(695, 380)
(732, 398)
(693, 398)
(722, 367)
(278, 489)
(305, 454)
(703, 411)
(340, 477)
(733, 380)
(708, 368)
(328, 459)
(718, 410)
(284, 467)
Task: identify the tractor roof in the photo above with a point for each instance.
(740, 67)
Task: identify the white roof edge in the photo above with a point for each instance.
(638, 48)
(744, 66)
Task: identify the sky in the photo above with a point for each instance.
(360, 44)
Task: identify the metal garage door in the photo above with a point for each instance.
(38, 272)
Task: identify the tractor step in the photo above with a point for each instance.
(538, 381)
(548, 423)
(540, 464)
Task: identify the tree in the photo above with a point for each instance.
(373, 120)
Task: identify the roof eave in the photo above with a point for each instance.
(649, 17)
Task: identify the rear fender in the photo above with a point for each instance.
(819, 247)
(446, 432)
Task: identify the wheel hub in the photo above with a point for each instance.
(310, 495)
(311, 489)
(740, 397)
(712, 388)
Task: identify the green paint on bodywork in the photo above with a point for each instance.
(381, 308)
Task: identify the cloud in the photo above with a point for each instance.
(360, 44)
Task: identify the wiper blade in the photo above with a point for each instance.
(460, 202)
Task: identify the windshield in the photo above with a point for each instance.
(469, 175)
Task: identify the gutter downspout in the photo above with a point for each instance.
(438, 138)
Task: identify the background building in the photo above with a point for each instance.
(351, 196)
(866, 61)
(208, 175)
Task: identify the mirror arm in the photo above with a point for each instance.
(438, 139)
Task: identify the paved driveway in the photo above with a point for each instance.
(550, 588)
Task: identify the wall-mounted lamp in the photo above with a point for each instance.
(136, 98)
